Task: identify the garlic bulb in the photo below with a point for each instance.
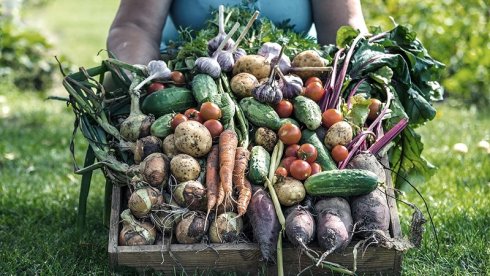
(267, 93)
(214, 43)
(208, 66)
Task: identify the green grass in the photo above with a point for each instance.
(39, 191)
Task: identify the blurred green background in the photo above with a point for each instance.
(39, 191)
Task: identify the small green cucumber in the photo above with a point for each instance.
(258, 166)
(307, 112)
(260, 114)
(172, 99)
(347, 182)
(161, 127)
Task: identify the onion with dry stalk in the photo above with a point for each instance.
(155, 170)
(143, 200)
(135, 232)
(227, 227)
(192, 227)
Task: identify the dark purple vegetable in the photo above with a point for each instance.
(300, 226)
(371, 214)
(334, 225)
(264, 223)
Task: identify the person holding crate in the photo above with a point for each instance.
(141, 28)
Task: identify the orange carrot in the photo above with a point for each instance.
(212, 177)
(244, 197)
(228, 142)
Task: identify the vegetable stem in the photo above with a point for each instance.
(245, 30)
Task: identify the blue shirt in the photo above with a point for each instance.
(195, 13)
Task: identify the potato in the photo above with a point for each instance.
(184, 167)
(242, 84)
(338, 134)
(169, 146)
(266, 138)
(253, 64)
(193, 138)
(290, 191)
(308, 58)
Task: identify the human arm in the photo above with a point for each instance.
(330, 15)
(135, 34)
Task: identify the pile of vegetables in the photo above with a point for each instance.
(263, 142)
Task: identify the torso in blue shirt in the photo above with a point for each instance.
(194, 13)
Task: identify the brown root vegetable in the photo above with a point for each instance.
(308, 58)
(334, 224)
(371, 214)
(192, 228)
(339, 133)
(155, 169)
(289, 191)
(184, 167)
(266, 138)
(194, 196)
(146, 146)
(193, 138)
(135, 232)
(242, 84)
(143, 200)
(227, 227)
(169, 146)
(163, 218)
(367, 161)
(300, 227)
(265, 223)
(253, 64)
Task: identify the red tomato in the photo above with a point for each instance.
(331, 116)
(300, 169)
(154, 86)
(292, 150)
(281, 172)
(284, 109)
(313, 79)
(289, 134)
(179, 118)
(286, 162)
(315, 91)
(214, 126)
(374, 108)
(210, 110)
(339, 153)
(308, 153)
(193, 114)
(315, 168)
(178, 78)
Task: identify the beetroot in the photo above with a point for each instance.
(300, 226)
(265, 224)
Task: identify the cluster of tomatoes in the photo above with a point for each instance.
(299, 162)
(208, 114)
(176, 78)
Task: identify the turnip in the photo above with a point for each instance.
(334, 225)
(289, 191)
(227, 227)
(192, 227)
(265, 223)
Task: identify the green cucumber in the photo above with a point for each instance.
(161, 127)
(347, 182)
(324, 158)
(172, 99)
(260, 114)
(307, 112)
(204, 89)
(258, 166)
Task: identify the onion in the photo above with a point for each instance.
(192, 227)
(163, 218)
(191, 194)
(146, 146)
(155, 169)
(143, 200)
(135, 232)
(227, 227)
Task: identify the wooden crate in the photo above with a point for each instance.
(243, 258)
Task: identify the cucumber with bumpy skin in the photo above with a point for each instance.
(258, 166)
(347, 182)
(323, 158)
(161, 128)
(172, 99)
(260, 114)
(307, 112)
(204, 88)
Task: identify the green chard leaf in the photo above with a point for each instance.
(359, 110)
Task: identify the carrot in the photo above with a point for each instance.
(228, 142)
(245, 192)
(244, 197)
(212, 178)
